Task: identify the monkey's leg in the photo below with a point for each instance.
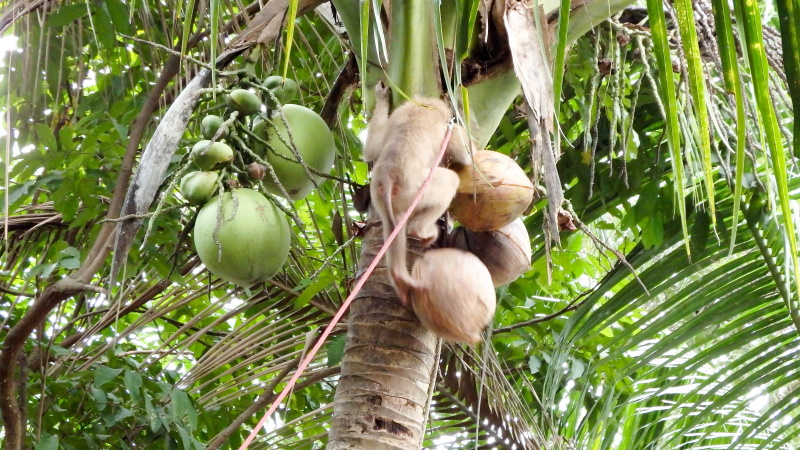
(433, 204)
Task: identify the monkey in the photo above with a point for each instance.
(402, 146)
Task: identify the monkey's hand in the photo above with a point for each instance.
(381, 93)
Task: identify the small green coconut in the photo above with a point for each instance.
(284, 89)
(199, 186)
(254, 237)
(209, 156)
(244, 101)
(210, 125)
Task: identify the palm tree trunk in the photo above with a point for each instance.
(381, 400)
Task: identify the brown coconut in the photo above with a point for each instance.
(454, 296)
(505, 252)
(492, 194)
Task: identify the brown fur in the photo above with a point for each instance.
(403, 147)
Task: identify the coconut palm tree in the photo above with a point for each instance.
(659, 312)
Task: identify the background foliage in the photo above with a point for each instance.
(581, 357)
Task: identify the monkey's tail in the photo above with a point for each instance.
(396, 253)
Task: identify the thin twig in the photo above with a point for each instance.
(573, 305)
(13, 292)
(600, 242)
(169, 50)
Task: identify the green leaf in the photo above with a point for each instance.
(66, 136)
(104, 374)
(187, 25)
(119, 15)
(561, 51)
(123, 414)
(43, 270)
(70, 263)
(789, 16)
(730, 65)
(658, 23)
(182, 406)
(71, 251)
(46, 137)
(534, 364)
(153, 416)
(291, 17)
(697, 87)
(67, 14)
(47, 442)
(100, 398)
(315, 288)
(18, 192)
(336, 350)
(186, 439)
(103, 27)
(760, 68)
(133, 382)
(364, 42)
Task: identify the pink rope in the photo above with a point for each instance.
(307, 360)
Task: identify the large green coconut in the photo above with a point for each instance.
(313, 141)
(254, 237)
(259, 128)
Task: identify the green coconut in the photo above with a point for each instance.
(211, 157)
(199, 186)
(254, 237)
(313, 141)
(259, 129)
(284, 89)
(244, 101)
(210, 125)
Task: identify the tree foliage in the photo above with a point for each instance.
(695, 351)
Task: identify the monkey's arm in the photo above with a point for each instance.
(377, 125)
(459, 149)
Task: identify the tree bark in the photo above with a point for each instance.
(382, 396)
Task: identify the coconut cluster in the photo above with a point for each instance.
(455, 295)
(255, 147)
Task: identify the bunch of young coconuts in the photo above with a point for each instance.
(279, 148)
(283, 149)
(450, 289)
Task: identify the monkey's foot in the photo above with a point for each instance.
(402, 284)
(425, 240)
(382, 91)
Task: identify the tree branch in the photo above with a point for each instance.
(8, 291)
(347, 78)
